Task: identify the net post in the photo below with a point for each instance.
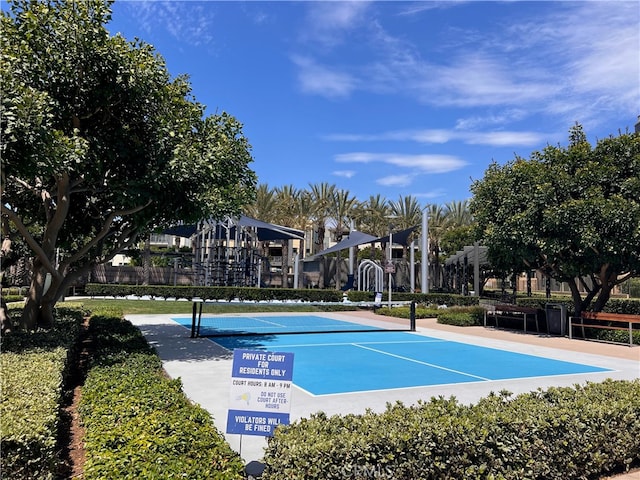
(201, 302)
(195, 324)
(193, 320)
(412, 310)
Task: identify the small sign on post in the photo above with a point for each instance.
(260, 394)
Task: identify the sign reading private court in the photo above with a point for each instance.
(260, 394)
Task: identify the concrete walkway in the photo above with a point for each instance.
(205, 370)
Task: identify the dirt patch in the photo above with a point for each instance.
(71, 431)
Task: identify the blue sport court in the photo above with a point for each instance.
(349, 362)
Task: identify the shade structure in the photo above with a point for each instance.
(354, 239)
(399, 238)
(469, 252)
(265, 231)
(268, 231)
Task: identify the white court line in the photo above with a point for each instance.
(334, 344)
(422, 363)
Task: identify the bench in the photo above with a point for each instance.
(513, 311)
(604, 320)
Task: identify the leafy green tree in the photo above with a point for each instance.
(572, 212)
(100, 146)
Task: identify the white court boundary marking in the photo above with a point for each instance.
(335, 344)
(422, 363)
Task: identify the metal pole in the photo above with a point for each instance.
(424, 264)
(476, 269)
(390, 263)
(412, 264)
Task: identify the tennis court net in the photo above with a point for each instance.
(206, 324)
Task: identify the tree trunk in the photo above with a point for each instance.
(31, 312)
(603, 297)
(146, 262)
(285, 263)
(5, 319)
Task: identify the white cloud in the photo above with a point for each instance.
(505, 138)
(566, 61)
(496, 138)
(504, 117)
(344, 173)
(438, 192)
(187, 22)
(423, 163)
(321, 80)
(326, 22)
(395, 180)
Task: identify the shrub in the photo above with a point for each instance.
(139, 424)
(34, 368)
(462, 316)
(215, 293)
(562, 433)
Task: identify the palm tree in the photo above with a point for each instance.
(287, 198)
(320, 195)
(437, 228)
(341, 207)
(340, 210)
(458, 214)
(264, 206)
(407, 213)
(371, 216)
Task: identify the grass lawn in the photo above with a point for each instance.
(169, 307)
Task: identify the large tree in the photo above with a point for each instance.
(572, 212)
(100, 145)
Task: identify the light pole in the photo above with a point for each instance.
(424, 263)
(390, 261)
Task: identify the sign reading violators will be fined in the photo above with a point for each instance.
(260, 394)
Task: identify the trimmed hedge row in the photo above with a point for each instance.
(139, 424)
(561, 433)
(449, 299)
(614, 305)
(267, 294)
(214, 293)
(34, 368)
(460, 316)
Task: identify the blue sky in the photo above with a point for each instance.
(399, 98)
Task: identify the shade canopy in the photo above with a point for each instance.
(265, 231)
(399, 238)
(356, 238)
(468, 252)
(268, 231)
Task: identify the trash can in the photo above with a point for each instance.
(556, 314)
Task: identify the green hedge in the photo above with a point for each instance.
(614, 305)
(139, 424)
(266, 294)
(449, 299)
(561, 433)
(460, 316)
(12, 298)
(214, 293)
(34, 368)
